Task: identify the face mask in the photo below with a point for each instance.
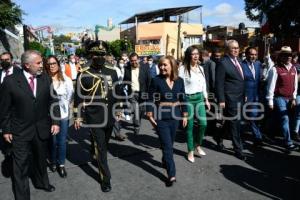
(150, 62)
(121, 65)
(5, 65)
(98, 61)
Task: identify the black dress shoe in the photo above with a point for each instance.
(53, 167)
(120, 137)
(220, 147)
(50, 188)
(62, 171)
(240, 156)
(257, 142)
(106, 187)
(170, 182)
(136, 131)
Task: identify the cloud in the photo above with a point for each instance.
(219, 10)
(226, 14)
(223, 9)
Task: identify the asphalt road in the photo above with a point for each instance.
(135, 164)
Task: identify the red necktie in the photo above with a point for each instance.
(6, 73)
(236, 64)
(31, 83)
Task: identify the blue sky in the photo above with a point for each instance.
(74, 15)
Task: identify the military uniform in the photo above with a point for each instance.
(93, 104)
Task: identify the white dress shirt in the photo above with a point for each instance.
(135, 84)
(28, 76)
(73, 70)
(194, 83)
(10, 72)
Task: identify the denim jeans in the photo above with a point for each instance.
(282, 105)
(58, 145)
(297, 116)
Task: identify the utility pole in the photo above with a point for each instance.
(178, 38)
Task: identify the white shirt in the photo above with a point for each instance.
(10, 72)
(120, 72)
(64, 90)
(135, 84)
(272, 84)
(28, 76)
(73, 71)
(194, 83)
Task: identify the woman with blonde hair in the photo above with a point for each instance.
(166, 107)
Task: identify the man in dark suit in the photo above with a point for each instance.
(27, 104)
(94, 96)
(252, 73)
(7, 69)
(137, 80)
(230, 94)
(209, 67)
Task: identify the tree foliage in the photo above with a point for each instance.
(37, 46)
(283, 15)
(118, 46)
(10, 14)
(57, 40)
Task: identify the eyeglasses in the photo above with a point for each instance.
(235, 48)
(54, 63)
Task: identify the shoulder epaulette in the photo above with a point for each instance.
(109, 67)
(83, 69)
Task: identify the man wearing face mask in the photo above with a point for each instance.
(6, 65)
(94, 97)
(154, 71)
(72, 68)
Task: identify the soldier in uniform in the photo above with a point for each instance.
(93, 103)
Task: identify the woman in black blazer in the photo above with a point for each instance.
(166, 107)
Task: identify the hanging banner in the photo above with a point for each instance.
(147, 49)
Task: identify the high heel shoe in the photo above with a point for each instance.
(190, 157)
(170, 182)
(200, 151)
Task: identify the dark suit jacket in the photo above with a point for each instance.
(24, 115)
(159, 91)
(252, 84)
(144, 78)
(210, 73)
(15, 70)
(229, 83)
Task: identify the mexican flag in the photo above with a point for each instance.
(264, 25)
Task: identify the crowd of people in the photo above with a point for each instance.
(205, 93)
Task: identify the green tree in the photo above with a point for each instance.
(118, 46)
(37, 46)
(283, 15)
(10, 14)
(57, 40)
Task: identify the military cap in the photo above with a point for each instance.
(98, 47)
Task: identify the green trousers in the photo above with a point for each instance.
(196, 110)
